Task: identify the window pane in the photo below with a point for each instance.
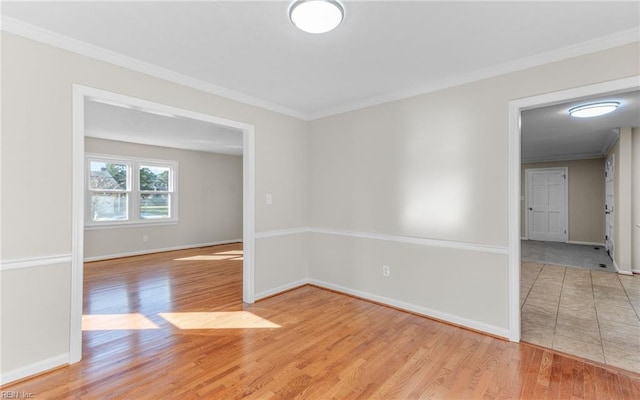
(109, 206)
(154, 206)
(108, 176)
(154, 178)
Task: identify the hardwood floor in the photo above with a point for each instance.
(173, 326)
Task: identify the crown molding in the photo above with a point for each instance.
(611, 140)
(565, 157)
(38, 34)
(33, 32)
(591, 46)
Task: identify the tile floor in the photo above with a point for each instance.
(591, 314)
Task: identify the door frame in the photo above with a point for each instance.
(80, 93)
(565, 203)
(515, 107)
(610, 238)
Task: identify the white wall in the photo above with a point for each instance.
(209, 202)
(36, 166)
(433, 166)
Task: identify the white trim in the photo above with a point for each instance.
(80, 92)
(611, 140)
(515, 109)
(427, 312)
(35, 368)
(77, 230)
(585, 243)
(159, 250)
(21, 263)
(281, 232)
(620, 271)
(514, 220)
(415, 240)
(126, 224)
(566, 157)
(484, 248)
(635, 271)
(38, 34)
(590, 46)
(248, 213)
(281, 289)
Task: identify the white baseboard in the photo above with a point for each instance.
(280, 289)
(35, 368)
(620, 271)
(635, 271)
(160, 250)
(427, 312)
(585, 243)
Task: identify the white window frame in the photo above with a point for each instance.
(133, 194)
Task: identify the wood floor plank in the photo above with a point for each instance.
(202, 342)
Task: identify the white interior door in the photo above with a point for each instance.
(608, 203)
(547, 204)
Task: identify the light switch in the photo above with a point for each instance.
(269, 199)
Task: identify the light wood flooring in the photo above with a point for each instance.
(591, 314)
(173, 326)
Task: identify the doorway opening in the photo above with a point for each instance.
(592, 343)
(80, 96)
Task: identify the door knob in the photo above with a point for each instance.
(530, 208)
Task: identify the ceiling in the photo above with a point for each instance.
(383, 51)
(550, 133)
(129, 124)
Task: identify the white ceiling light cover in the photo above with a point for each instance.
(593, 109)
(316, 16)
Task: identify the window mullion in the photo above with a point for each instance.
(135, 189)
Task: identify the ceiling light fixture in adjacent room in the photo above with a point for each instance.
(316, 16)
(593, 109)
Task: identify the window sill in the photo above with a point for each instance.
(129, 224)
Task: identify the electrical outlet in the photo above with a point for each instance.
(386, 270)
(145, 238)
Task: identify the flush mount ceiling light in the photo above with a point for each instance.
(316, 16)
(593, 109)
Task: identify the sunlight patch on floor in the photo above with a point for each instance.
(111, 322)
(217, 320)
(232, 252)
